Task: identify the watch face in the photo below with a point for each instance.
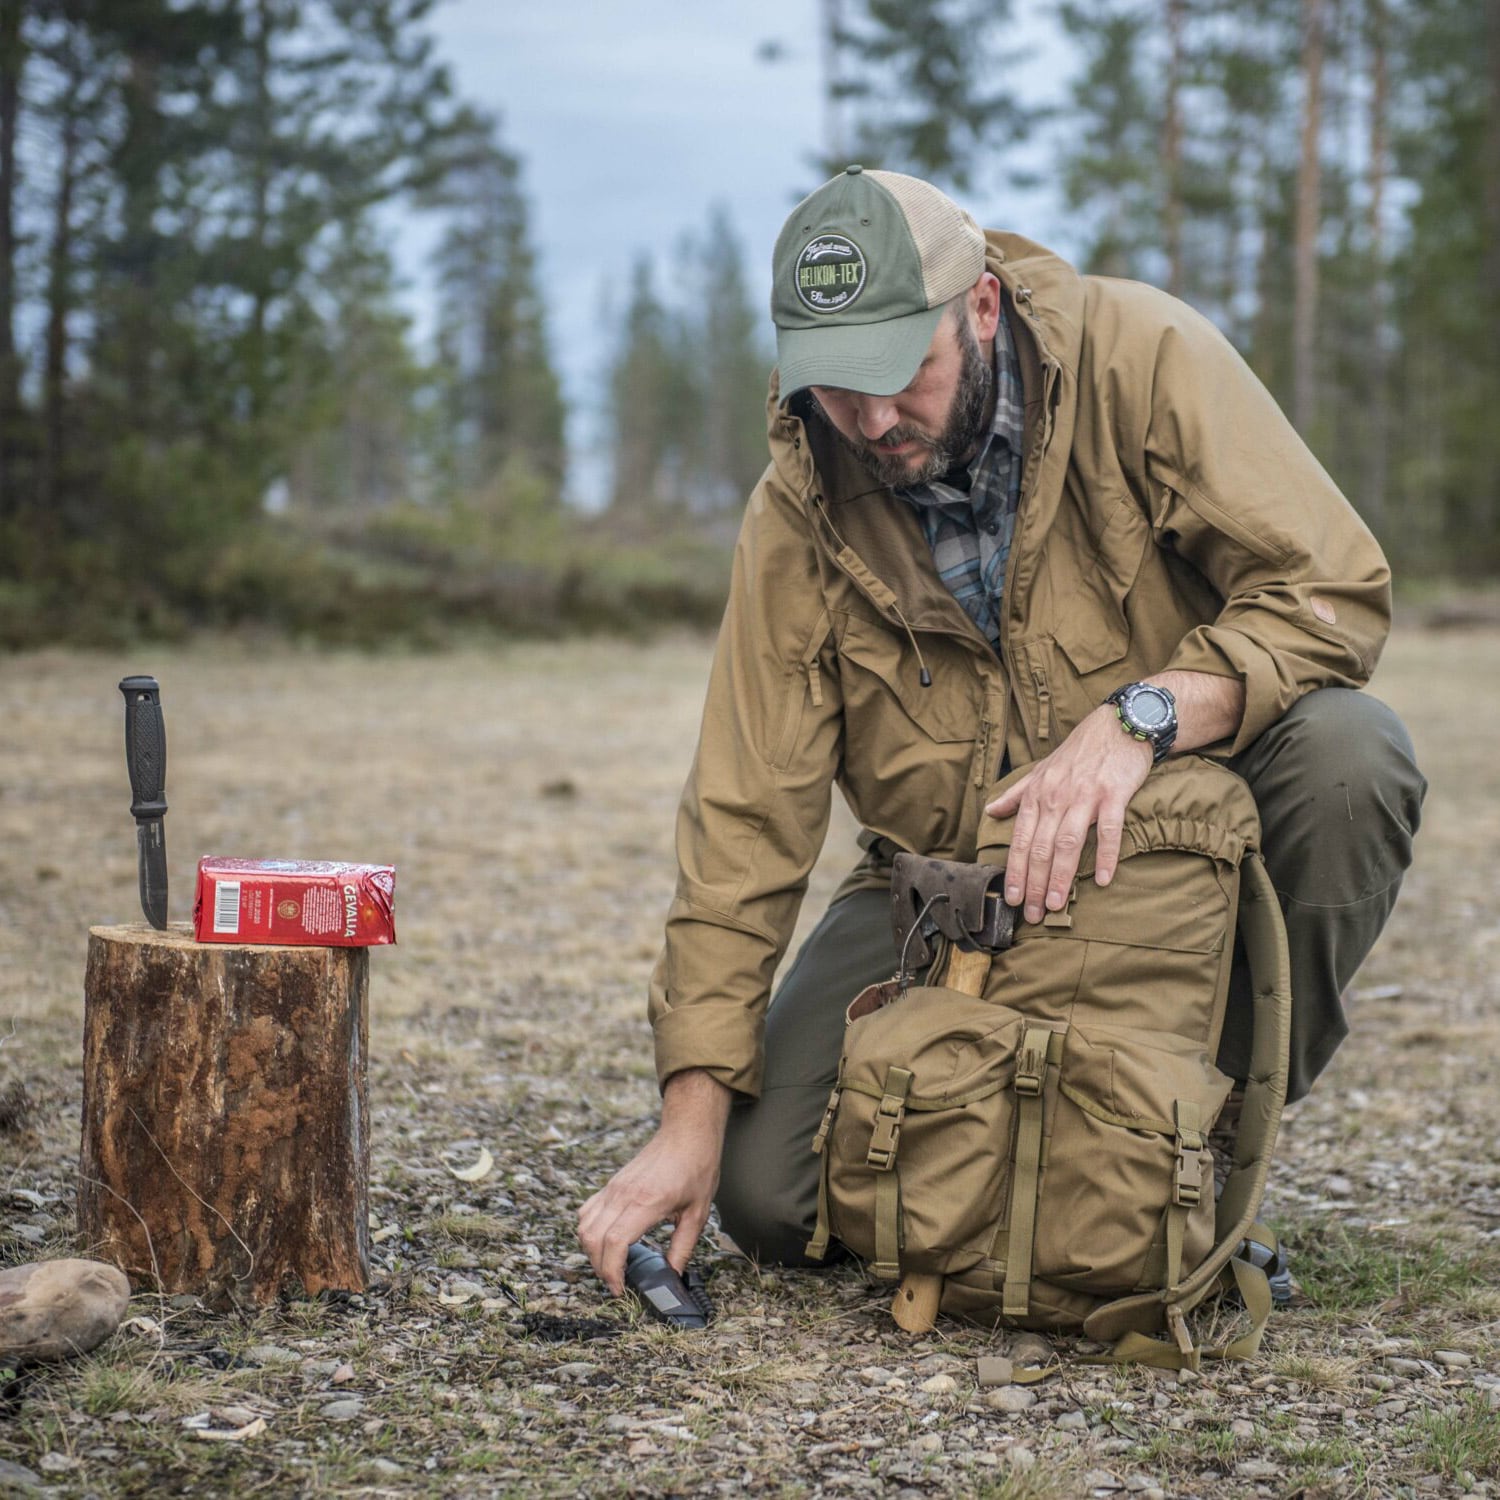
(1149, 709)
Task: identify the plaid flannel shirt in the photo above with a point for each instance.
(970, 517)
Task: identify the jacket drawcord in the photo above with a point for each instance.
(923, 675)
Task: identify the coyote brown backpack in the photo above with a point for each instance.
(1042, 1146)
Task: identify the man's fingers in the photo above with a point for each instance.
(1009, 800)
(1018, 861)
(1111, 826)
(622, 1234)
(685, 1233)
(1067, 849)
(1039, 866)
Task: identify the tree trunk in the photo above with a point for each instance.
(833, 104)
(1376, 478)
(59, 297)
(1309, 200)
(1171, 151)
(12, 64)
(264, 148)
(138, 167)
(225, 1126)
(1491, 173)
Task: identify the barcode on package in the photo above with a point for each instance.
(227, 906)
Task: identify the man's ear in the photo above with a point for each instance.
(984, 306)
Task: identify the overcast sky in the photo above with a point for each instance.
(633, 117)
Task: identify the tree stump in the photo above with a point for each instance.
(226, 1146)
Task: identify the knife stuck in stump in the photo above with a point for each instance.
(146, 757)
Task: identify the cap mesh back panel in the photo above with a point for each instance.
(949, 242)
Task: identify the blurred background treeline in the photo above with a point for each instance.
(216, 409)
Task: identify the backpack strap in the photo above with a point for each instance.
(1124, 1321)
(817, 1246)
(1031, 1073)
(885, 1142)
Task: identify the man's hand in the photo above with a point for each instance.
(1089, 779)
(672, 1177)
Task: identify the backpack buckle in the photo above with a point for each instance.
(1187, 1180)
(885, 1134)
(1031, 1062)
(820, 1139)
(1187, 1183)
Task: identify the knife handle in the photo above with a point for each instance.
(145, 747)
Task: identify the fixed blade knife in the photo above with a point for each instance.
(146, 758)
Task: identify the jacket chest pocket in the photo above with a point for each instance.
(1092, 628)
(886, 672)
(1063, 674)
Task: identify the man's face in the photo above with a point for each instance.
(936, 423)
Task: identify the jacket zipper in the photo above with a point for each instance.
(815, 683)
(1044, 696)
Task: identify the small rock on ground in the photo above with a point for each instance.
(1013, 1399)
(53, 1309)
(17, 1476)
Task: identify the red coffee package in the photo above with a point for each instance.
(307, 901)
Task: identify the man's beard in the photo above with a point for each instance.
(968, 418)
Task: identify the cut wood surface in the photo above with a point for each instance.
(225, 1128)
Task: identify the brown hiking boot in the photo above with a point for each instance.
(1222, 1137)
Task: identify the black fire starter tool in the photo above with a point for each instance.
(666, 1296)
(146, 756)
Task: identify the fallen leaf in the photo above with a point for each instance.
(478, 1171)
(238, 1435)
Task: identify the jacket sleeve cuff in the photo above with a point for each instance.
(1220, 652)
(712, 1035)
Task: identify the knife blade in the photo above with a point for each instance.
(146, 760)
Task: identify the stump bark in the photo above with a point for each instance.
(225, 1125)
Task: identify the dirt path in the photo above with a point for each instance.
(527, 798)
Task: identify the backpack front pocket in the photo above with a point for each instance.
(1128, 1180)
(915, 1138)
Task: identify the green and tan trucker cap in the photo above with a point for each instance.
(861, 271)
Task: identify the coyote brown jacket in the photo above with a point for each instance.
(1170, 517)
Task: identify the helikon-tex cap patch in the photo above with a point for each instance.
(861, 272)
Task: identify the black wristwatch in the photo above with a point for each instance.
(1149, 713)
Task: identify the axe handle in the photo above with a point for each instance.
(916, 1306)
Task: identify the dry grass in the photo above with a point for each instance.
(527, 798)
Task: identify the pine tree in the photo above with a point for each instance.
(650, 397)
(1447, 294)
(1110, 170)
(727, 366)
(925, 84)
(363, 447)
(503, 394)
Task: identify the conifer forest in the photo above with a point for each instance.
(214, 408)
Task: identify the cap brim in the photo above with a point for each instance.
(876, 359)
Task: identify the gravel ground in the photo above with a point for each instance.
(526, 796)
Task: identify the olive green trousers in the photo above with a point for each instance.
(1340, 798)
